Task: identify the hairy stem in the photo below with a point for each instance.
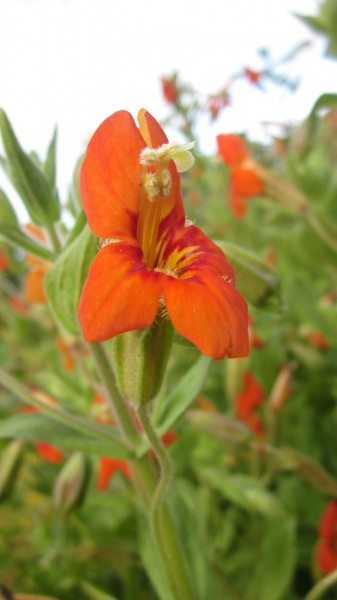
(53, 236)
(167, 543)
(116, 402)
(322, 586)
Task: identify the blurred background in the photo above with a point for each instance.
(74, 62)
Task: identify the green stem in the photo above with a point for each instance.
(53, 236)
(143, 474)
(59, 414)
(117, 404)
(322, 586)
(167, 542)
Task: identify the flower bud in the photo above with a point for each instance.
(9, 467)
(71, 484)
(140, 359)
(281, 388)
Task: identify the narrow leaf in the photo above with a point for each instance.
(29, 181)
(41, 428)
(182, 396)
(65, 279)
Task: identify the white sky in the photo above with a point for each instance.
(74, 62)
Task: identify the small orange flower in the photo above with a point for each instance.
(245, 180)
(319, 340)
(326, 549)
(149, 257)
(18, 305)
(4, 262)
(253, 76)
(170, 90)
(48, 452)
(108, 467)
(68, 361)
(34, 282)
(215, 104)
(249, 399)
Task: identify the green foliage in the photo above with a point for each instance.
(65, 280)
(30, 182)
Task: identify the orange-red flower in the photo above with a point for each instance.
(319, 340)
(326, 549)
(246, 403)
(253, 76)
(4, 262)
(245, 180)
(170, 90)
(149, 257)
(216, 103)
(18, 305)
(34, 282)
(108, 467)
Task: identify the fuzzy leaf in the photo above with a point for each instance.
(182, 396)
(28, 179)
(65, 279)
(41, 428)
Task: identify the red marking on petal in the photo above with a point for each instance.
(120, 294)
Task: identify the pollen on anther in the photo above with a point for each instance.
(151, 185)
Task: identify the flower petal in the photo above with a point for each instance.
(232, 148)
(111, 176)
(238, 204)
(245, 181)
(191, 251)
(120, 294)
(152, 133)
(210, 313)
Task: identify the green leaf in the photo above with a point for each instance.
(65, 280)
(244, 491)
(257, 282)
(15, 237)
(151, 561)
(275, 562)
(10, 461)
(182, 396)
(315, 23)
(49, 166)
(78, 227)
(8, 216)
(29, 181)
(94, 593)
(327, 100)
(39, 427)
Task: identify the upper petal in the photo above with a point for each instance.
(120, 294)
(111, 176)
(232, 148)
